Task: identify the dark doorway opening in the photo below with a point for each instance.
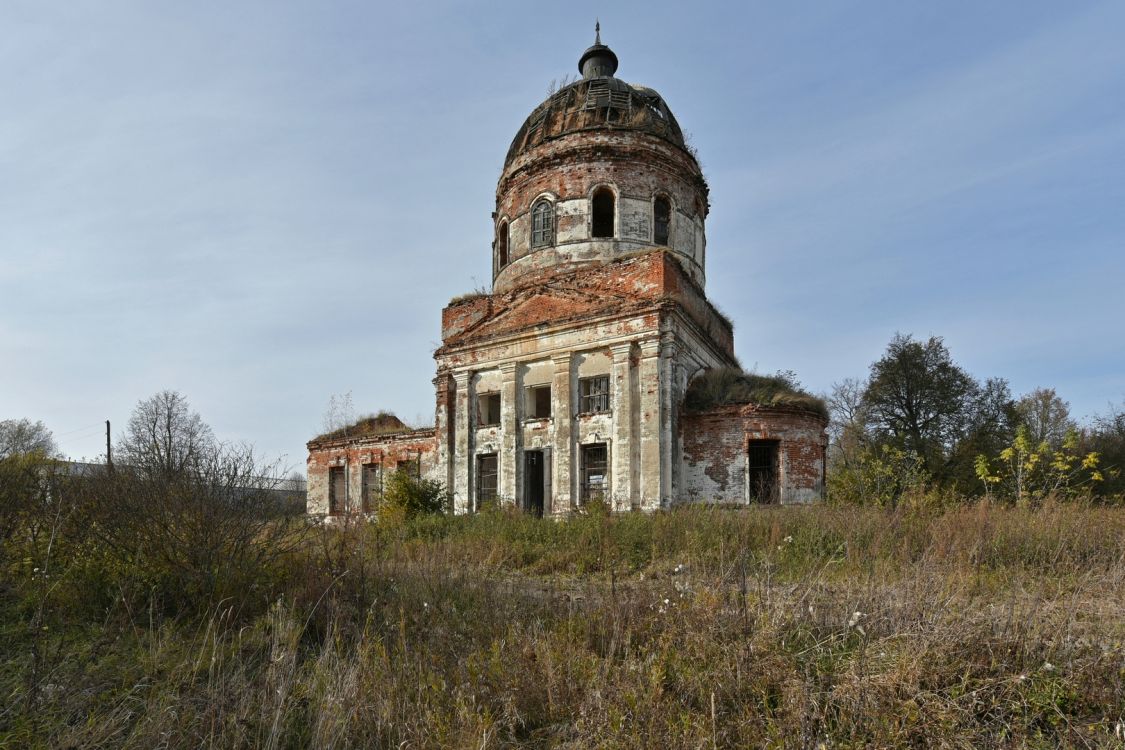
(533, 482)
(761, 471)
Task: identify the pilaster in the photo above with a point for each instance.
(562, 452)
(509, 435)
(668, 349)
(444, 398)
(621, 464)
(461, 467)
(649, 471)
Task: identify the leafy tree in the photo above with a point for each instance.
(164, 436)
(28, 468)
(919, 400)
(1027, 471)
(990, 426)
(1107, 437)
(22, 436)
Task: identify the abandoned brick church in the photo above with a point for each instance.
(596, 369)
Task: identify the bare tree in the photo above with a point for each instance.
(846, 427)
(340, 412)
(164, 436)
(22, 436)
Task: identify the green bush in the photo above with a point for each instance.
(407, 497)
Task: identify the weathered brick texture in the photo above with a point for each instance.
(715, 450)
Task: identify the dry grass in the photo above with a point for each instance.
(383, 423)
(729, 385)
(775, 627)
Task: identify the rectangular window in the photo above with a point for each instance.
(411, 466)
(372, 486)
(488, 409)
(595, 463)
(487, 475)
(337, 490)
(539, 401)
(593, 394)
(761, 471)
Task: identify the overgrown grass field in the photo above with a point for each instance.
(977, 626)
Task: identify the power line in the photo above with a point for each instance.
(78, 429)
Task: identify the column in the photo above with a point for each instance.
(508, 488)
(648, 392)
(667, 437)
(620, 460)
(562, 417)
(460, 463)
(443, 429)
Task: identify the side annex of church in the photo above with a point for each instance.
(579, 378)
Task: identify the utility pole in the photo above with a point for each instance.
(108, 448)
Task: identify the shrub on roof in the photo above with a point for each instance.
(729, 385)
(383, 423)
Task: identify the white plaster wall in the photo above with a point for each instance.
(572, 220)
(536, 373)
(590, 364)
(683, 235)
(486, 381)
(317, 501)
(520, 238)
(634, 219)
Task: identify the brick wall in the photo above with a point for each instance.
(715, 445)
(352, 454)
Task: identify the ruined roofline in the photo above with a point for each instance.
(411, 433)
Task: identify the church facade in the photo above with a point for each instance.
(566, 384)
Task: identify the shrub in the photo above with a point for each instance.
(407, 496)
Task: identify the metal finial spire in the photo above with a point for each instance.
(598, 61)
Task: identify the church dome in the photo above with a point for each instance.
(598, 171)
(603, 103)
(597, 101)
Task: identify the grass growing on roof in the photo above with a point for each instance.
(729, 385)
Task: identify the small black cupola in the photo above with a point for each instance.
(598, 61)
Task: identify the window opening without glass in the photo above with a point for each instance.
(593, 394)
(603, 212)
(595, 462)
(488, 409)
(487, 475)
(661, 220)
(337, 490)
(539, 401)
(372, 486)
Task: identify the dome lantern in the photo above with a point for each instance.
(598, 61)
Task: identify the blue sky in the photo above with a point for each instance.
(261, 204)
